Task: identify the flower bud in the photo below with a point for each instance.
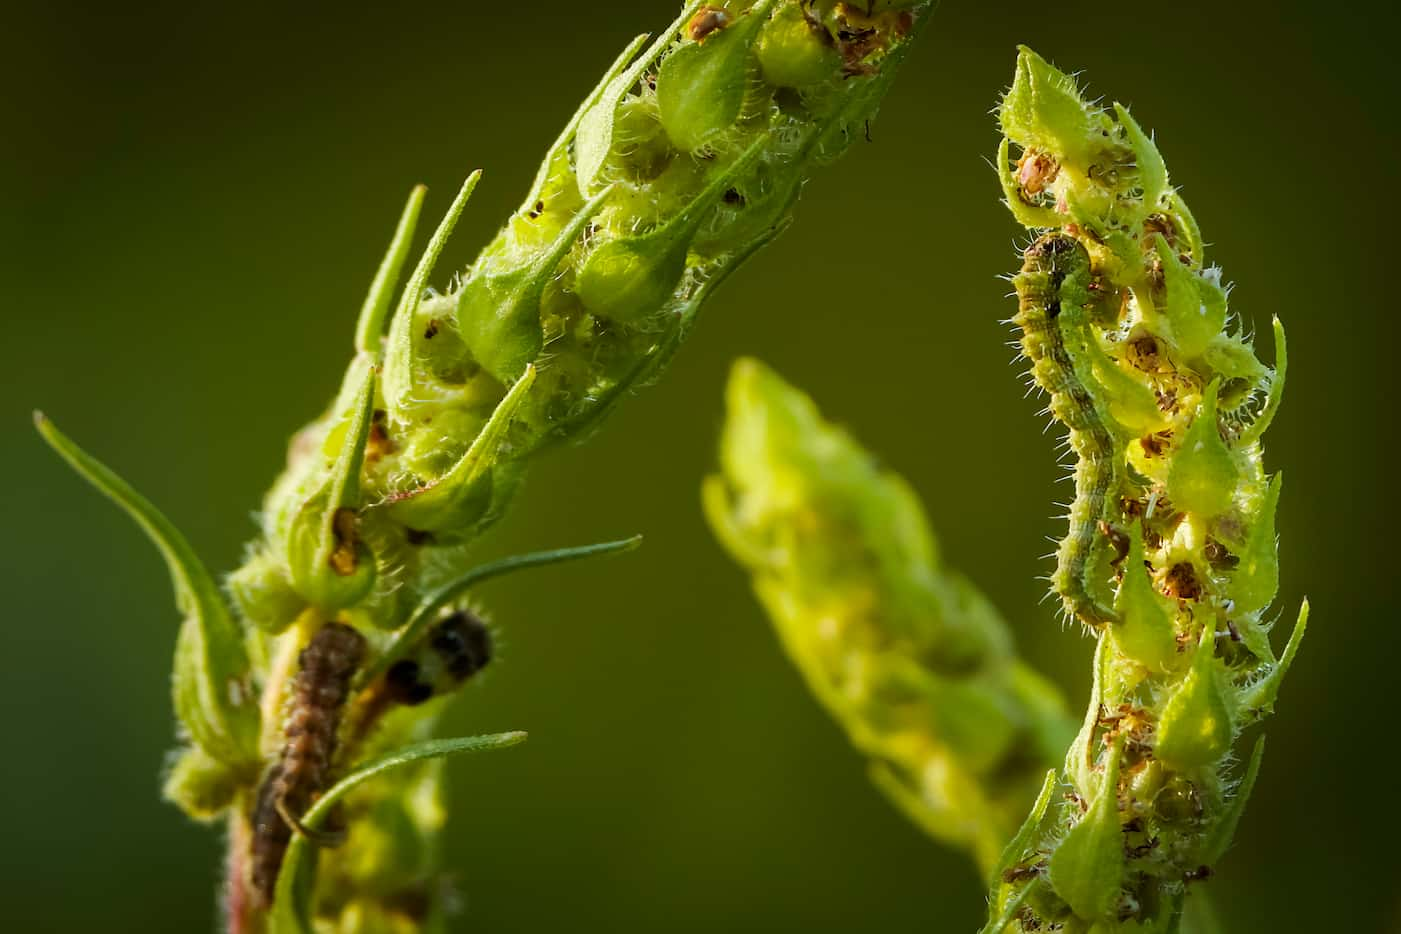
(1202, 478)
(327, 559)
(1197, 724)
(1144, 630)
(201, 786)
(701, 85)
(793, 52)
(1087, 868)
(1196, 305)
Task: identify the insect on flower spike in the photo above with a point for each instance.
(1133, 338)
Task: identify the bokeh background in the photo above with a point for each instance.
(194, 198)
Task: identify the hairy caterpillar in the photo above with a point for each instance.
(319, 692)
(1053, 292)
(457, 647)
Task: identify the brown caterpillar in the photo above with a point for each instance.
(319, 693)
(1053, 292)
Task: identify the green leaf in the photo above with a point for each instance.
(291, 911)
(1219, 837)
(1152, 173)
(371, 323)
(398, 376)
(213, 698)
(1013, 853)
(1259, 699)
(594, 136)
(1087, 869)
(427, 611)
(1044, 109)
(1255, 429)
(1256, 578)
(1196, 306)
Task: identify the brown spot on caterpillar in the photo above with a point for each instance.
(303, 769)
(708, 19)
(1181, 582)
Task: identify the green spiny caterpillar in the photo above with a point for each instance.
(1166, 405)
(914, 663)
(685, 159)
(1055, 288)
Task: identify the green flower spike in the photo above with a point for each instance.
(1174, 516)
(657, 189)
(914, 663)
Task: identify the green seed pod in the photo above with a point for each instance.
(498, 310)
(327, 559)
(1087, 869)
(202, 787)
(1144, 631)
(627, 278)
(1203, 474)
(793, 52)
(1198, 722)
(263, 594)
(701, 85)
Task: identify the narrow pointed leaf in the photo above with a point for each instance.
(211, 691)
(291, 913)
(370, 326)
(427, 611)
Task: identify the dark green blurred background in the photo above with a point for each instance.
(194, 200)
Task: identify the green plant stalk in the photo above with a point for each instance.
(913, 662)
(684, 160)
(1170, 557)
